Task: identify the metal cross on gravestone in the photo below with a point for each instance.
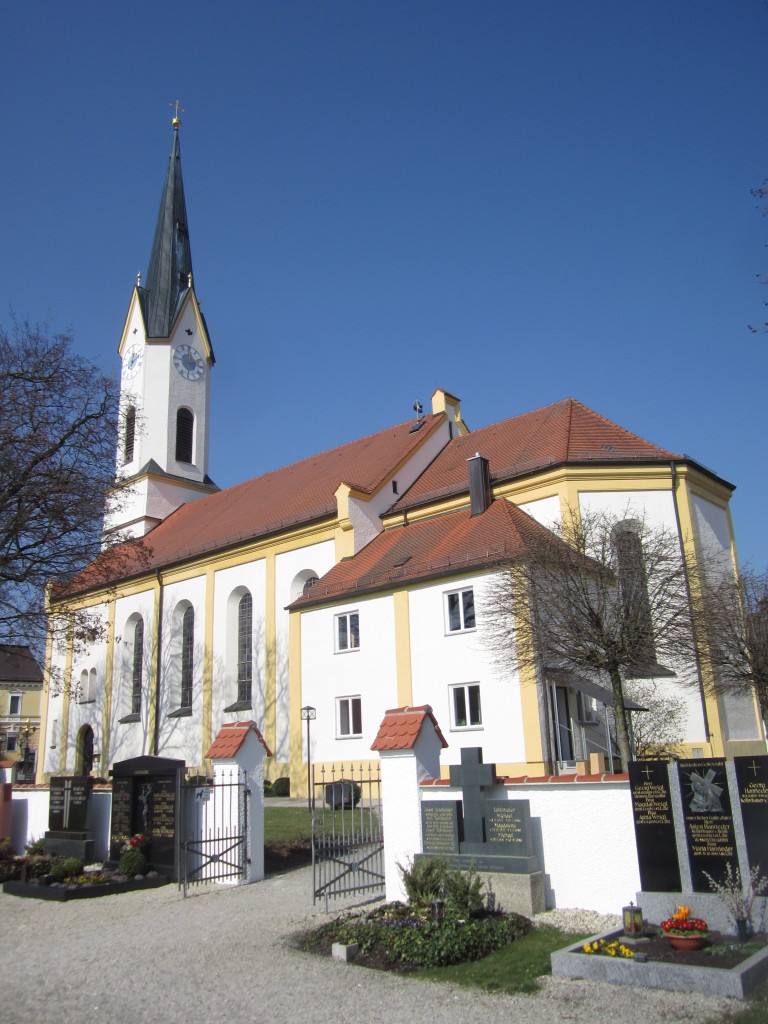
(472, 775)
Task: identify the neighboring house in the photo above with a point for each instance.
(21, 689)
(348, 581)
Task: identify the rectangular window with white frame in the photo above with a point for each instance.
(349, 717)
(586, 709)
(460, 610)
(466, 710)
(11, 742)
(347, 631)
(14, 705)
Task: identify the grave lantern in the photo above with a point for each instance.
(633, 919)
(438, 909)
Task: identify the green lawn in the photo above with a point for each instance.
(514, 968)
(286, 824)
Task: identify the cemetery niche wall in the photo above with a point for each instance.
(493, 836)
(692, 819)
(146, 800)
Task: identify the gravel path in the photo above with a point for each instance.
(221, 957)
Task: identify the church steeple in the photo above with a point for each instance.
(169, 276)
(165, 387)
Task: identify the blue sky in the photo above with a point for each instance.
(515, 200)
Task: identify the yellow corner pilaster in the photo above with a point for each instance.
(403, 648)
(41, 773)
(270, 654)
(207, 722)
(297, 763)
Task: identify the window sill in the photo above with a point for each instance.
(92, 700)
(239, 705)
(351, 736)
(181, 713)
(349, 650)
(135, 717)
(460, 632)
(466, 728)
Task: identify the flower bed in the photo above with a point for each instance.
(106, 885)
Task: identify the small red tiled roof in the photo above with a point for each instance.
(401, 727)
(566, 432)
(299, 493)
(231, 737)
(431, 548)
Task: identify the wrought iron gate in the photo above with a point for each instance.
(347, 835)
(214, 830)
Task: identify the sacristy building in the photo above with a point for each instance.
(351, 582)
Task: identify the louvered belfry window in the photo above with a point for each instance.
(185, 430)
(130, 434)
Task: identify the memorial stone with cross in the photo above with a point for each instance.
(492, 834)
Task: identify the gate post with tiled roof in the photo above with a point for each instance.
(408, 742)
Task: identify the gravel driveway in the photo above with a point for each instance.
(221, 957)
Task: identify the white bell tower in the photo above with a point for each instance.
(162, 456)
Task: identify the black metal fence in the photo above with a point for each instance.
(214, 831)
(347, 833)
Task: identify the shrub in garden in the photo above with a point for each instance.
(281, 786)
(132, 862)
(68, 867)
(432, 878)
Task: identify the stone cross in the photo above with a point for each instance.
(472, 775)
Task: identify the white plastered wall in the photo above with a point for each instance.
(440, 659)
(368, 672)
(131, 739)
(292, 568)
(82, 709)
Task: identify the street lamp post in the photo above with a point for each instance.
(308, 714)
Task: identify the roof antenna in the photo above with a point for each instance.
(418, 408)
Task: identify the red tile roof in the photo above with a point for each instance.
(231, 737)
(401, 727)
(431, 548)
(299, 493)
(18, 665)
(566, 432)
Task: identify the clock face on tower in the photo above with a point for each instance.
(132, 362)
(188, 362)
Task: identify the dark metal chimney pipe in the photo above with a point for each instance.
(480, 496)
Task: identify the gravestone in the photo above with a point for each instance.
(654, 826)
(708, 819)
(492, 835)
(68, 834)
(146, 800)
(752, 784)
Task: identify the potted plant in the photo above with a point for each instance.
(739, 899)
(685, 932)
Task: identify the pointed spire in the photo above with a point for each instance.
(170, 262)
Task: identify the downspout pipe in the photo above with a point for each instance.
(697, 656)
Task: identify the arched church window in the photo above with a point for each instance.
(130, 434)
(245, 648)
(633, 591)
(185, 430)
(187, 656)
(308, 584)
(137, 667)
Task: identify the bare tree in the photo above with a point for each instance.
(602, 595)
(658, 730)
(734, 612)
(58, 433)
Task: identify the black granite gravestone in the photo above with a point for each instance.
(441, 826)
(708, 820)
(68, 834)
(146, 800)
(654, 826)
(493, 835)
(752, 783)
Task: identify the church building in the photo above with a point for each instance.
(350, 582)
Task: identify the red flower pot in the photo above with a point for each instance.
(686, 943)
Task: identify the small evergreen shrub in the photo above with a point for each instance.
(36, 846)
(281, 786)
(132, 862)
(68, 867)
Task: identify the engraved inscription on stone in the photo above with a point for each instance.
(440, 826)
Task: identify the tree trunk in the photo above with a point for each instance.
(620, 715)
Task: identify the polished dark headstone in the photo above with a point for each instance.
(654, 826)
(752, 782)
(708, 819)
(146, 800)
(441, 826)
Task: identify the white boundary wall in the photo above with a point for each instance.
(583, 836)
(29, 817)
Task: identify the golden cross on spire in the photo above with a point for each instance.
(176, 108)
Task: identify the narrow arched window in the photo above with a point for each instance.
(137, 668)
(185, 430)
(130, 434)
(636, 606)
(245, 648)
(187, 656)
